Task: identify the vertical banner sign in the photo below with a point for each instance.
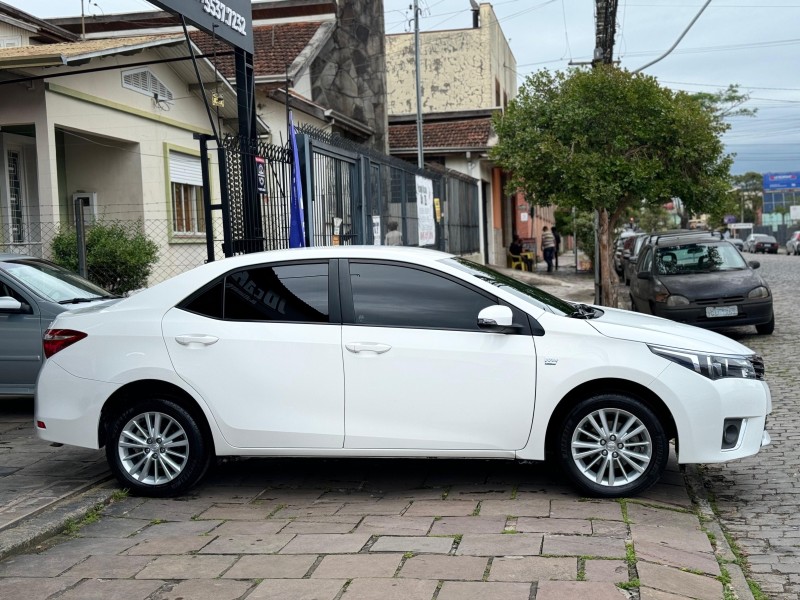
(297, 225)
(261, 174)
(376, 231)
(427, 225)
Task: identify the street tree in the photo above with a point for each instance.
(607, 140)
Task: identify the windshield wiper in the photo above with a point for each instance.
(584, 311)
(89, 299)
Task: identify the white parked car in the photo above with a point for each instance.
(388, 352)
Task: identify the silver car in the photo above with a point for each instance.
(32, 293)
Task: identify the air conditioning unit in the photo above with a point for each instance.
(87, 203)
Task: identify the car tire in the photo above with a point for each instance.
(640, 460)
(766, 328)
(152, 466)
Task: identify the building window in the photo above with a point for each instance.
(144, 82)
(186, 183)
(10, 41)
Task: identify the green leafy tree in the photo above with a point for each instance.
(727, 103)
(607, 140)
(749, 192)
(119, 257)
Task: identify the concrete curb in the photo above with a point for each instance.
(32, 530)
(697, 491)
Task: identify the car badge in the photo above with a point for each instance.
(550, 361)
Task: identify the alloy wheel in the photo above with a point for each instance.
(153, 448)
(611, 447)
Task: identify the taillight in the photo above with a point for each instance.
(56, 340)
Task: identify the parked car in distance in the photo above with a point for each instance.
(760, 242)
(370, 351)
(738, 242)
(618, 247)
(630, 254)
(32, 293)
(793, 244)
(702, 280)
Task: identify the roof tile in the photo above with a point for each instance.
(470, 133)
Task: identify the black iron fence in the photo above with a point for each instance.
(353, 195)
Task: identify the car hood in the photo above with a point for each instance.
(636, 327)
(716, 284)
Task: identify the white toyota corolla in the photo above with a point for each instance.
(389, 352)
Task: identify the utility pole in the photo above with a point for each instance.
(420, 150)
(605, 28)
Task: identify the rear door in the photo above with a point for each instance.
(262, 345)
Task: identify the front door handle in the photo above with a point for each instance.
(357, 347)
(203, 340)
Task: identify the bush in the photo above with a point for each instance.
(119, 257)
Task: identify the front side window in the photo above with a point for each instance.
(647, 261)
(186, 185)
(399, 296)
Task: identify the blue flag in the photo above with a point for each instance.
(297, 224)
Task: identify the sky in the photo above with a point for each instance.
(752, 43)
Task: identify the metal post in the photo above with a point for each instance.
(80, 231)
(206, 193)
(420, 151)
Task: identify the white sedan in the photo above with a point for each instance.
(389, 352)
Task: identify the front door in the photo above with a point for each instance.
(20, 343)
(419, 374)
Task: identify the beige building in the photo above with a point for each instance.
(461, 69)
(122, 136)
(465, 75)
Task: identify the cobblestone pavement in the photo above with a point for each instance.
(758, 499)
(292, 529)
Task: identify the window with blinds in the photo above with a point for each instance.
(186, 183)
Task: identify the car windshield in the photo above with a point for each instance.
(521, 290)
(699, 258)
(53, 282)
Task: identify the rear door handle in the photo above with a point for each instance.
(203, 340)
(358, 347)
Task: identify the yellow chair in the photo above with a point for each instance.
(516, 262)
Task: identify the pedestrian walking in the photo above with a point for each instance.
(548, 247)
(557, 250)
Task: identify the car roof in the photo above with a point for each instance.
(679, 237)
(6, 256)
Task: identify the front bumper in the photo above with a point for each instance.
(751, 312)
(700, 408)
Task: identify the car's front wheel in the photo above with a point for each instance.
(766, 328)
(612, 446)
(156, 448)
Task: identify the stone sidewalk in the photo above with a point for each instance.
(295, 529)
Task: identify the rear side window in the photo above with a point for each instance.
(296, 293)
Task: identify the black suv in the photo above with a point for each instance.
(700, 279)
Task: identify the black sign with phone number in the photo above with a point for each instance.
(231, 20)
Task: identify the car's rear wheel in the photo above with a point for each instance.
(156, 448)
(766, 328)
(612, 445)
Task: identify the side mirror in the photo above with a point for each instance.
(10, 305)
(644, 275)
(754, 264)
(497, 319)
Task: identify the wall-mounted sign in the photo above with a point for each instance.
(782, 181)
(425, 222)
(231, 20)
(261, 174)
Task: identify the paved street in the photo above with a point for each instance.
(759, 498)
(371, 529)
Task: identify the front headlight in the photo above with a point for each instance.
(677, 301)
(714, 366)
(759, 292)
